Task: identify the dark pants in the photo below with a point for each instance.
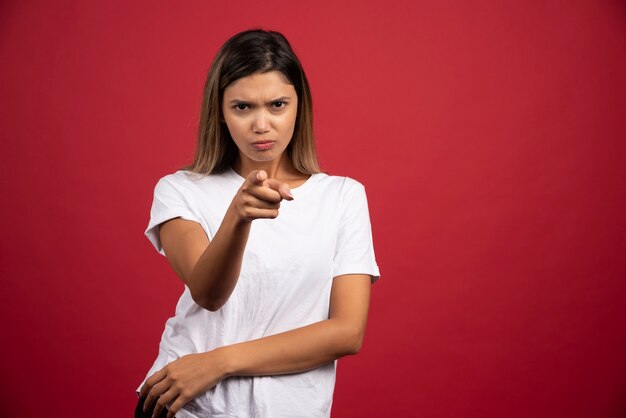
(148, 414)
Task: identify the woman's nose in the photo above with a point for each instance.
(261, 124)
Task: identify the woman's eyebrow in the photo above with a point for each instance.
(241, 101)
(280, 99)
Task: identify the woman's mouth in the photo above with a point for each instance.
(263, 145)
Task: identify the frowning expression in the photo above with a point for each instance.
(260, 112)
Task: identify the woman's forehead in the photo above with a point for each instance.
(257, 86)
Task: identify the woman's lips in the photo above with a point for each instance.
(263, 145)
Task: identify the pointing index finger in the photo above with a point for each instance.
(260, 176)
(257, 177)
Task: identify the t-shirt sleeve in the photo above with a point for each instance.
(354, 253)
(170, 201)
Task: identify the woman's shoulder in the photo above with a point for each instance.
(184, 182)
(338, 185)
(182, 177)
(338, 181)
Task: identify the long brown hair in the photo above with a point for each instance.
(249, 52)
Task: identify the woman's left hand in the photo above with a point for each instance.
(181, 381)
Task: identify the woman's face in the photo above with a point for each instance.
(260, 112)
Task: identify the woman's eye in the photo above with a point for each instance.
(241, 106)
(279, 105)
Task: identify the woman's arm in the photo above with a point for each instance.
(288, 352)
(310, 346)
(211, 269)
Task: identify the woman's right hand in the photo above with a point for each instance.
(259, 197)
(211, 269)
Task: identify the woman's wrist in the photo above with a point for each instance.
(223, 362)
(235, 217)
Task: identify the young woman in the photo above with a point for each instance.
(276, 257)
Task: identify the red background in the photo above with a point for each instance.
(489, 135)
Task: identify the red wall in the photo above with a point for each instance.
(490, 136)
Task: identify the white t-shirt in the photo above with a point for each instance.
(286, 276)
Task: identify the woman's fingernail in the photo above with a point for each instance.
(290, 195)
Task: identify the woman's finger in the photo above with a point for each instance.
(256, 213)
(254, 202)
(257, 177)
(154, 393)
(264, 193)
(178, 403)
(281, 187)
(261, 176)
(164, 400)
(151, 381)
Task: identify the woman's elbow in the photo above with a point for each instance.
(205, 302)
(213, 307)
(358, 343)
(354, 340)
